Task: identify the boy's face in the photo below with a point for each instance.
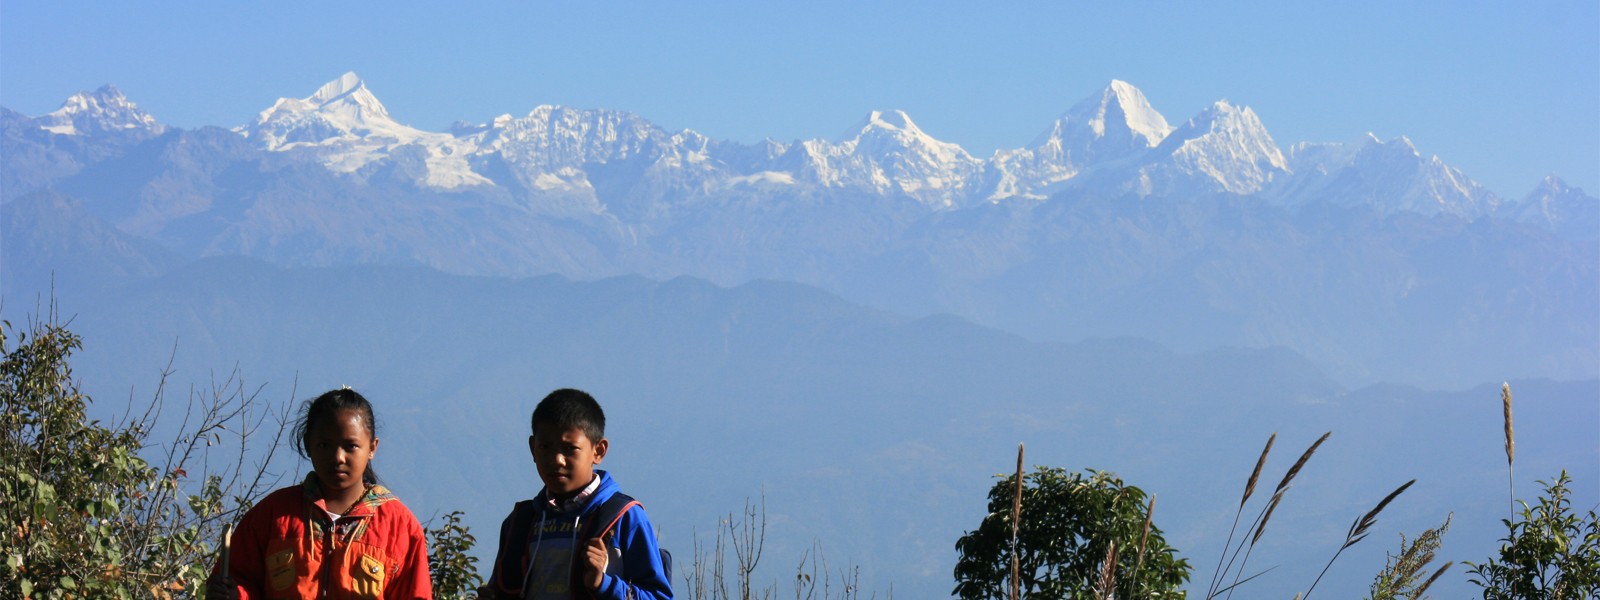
(565, 458)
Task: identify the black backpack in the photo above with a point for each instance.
(513, 559)
(607, 514)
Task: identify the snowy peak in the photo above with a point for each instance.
(346, 128)
(893, 133)
(103, 110)
(1116, 123)
(888, 153)
(1227, 144)
(1391, 176)
(552, 137)
(1553, 187)
(340, 109)
(1121, 111)
(1567, 210)
(332, 90)
(894, 123)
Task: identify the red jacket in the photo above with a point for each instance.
(283, 549)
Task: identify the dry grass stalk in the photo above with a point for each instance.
(1144, 539)
(1511, 440)
(1108, 572)
(1511, 446)
(1283, 484)
(1358, 530)
(1016, 520)
(1429, 582)
(1277, 496)
(1295, 469)
(1250, 486)
(1262, 526)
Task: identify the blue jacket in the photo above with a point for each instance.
(535, 540)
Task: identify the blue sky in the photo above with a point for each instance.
(1507, 92)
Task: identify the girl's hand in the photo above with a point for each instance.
(595, 571)
(221, 588)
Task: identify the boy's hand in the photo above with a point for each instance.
(595, 552)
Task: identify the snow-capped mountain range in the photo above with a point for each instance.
(1112, 143)
(1367, 256)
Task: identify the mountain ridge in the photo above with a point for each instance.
(348, 129)
(1375, 261)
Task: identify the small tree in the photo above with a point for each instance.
(450, 563)
(1069, 522)
(1551, 553)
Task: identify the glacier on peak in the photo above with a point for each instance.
(1226, 144)
(332, 90)
(888, 153)
(341, 109)
(1389, 175)
(347, 128)
(1114, 125)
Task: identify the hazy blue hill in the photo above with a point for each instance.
(873, 433)
(50, 239)
(1367, 293)
(1369, 298)
(35, 159)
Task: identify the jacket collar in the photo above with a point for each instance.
(375, 496)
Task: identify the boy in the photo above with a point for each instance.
(580, 538)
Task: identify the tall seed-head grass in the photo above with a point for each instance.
(1250, 486)
(1429, 582)
(1262, 526)
(1295, 469)
(1108, 572)
(1283, 484)
(1144, 538)
(1358, 530)
(1016, 522)
(1511, 438)
(1511, 447)
(1360, 527)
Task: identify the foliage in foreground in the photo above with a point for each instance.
(91, 510)
(1402, 577)
(1550, 553)
(85, 514)
(94, 510)
(1069, 522)
(453, 569)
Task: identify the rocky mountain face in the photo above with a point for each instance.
(1370, 258)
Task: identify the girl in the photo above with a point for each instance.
(337, 535)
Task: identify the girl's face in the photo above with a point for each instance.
(340, 448)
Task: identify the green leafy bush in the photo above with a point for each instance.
(1551, 553)
(84, 513)
(1068, 523)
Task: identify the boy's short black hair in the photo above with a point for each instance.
(568, 408)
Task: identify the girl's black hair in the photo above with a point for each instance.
(327, 406)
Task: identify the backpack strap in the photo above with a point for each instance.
(607, 515)
(511, 565)
(602, 521)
